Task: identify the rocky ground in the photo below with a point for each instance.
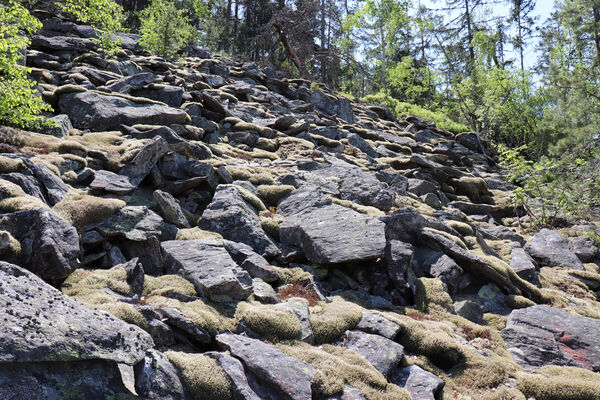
(205, 229)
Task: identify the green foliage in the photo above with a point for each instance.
(19, 103)
(401, 108)
(164, 28)
(552, 189)
(105, 15)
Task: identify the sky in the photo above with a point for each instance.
(543, 9)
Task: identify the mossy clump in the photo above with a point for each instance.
(13, 198)
(82, 283)
(430, 295)
(291, 275)
(516, 301)
(196, 233)
(337, 367)
(271, 194)
(460, 227)
(460, 242)
(81, 210)
(158, 286)
(369, 210)
(125, 312)
(270, 323)
(270, 223)
(329, 320)
(214, 318)
(8, 165)
(250, 198)
(9, 246)
(560, 383)
(202, 375)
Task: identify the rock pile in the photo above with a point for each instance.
(209, 229)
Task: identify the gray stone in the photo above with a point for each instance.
(377, 324)
(523, 265)
(498, 232)
(300, 308)
(170, 95)
(125, 85)
(143, 162)
(421, 187)
(255, 264)
(62, 126)
(88, 379)
(264, 292)
(231, 216)
(398, 257)
(331, 105)
(41, 324)
(583, 247)
(137, 223)
(209, 267)
(157, 379)
(56, 189)
(102, 112)
(541, 335)
(235, 371)
(289, 376)
(334, 234)
(68, 43)
(468, 309)
(420, 384)
(551, 249)
(380, 352)
(49, 245)
(110, 182)
(171, 210)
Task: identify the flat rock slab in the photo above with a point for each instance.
(135, 223)
(111, 182)
(371, 322)
(542, 335)
(209, 267)
(380, 352)
(289, 376)
(42, 324)
(101, 112)
(334, 234)
(551, 249)
(420, 384)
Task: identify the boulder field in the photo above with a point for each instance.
(209, 229)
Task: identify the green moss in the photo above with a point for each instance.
(13, 246)
(373, 212)
(560, 383)
(270, 323)
(430, 295)
(271, 194)
(82, 283)
(13, 198)
(196, 233)
(8, 165)
(125, 312)
(515, 301)
(215, 318)
(461, 227)
(460, 242)
(337, 366)
(82, 210)
(291, 275)
(202, 375)
(158, 286)
(330, 320)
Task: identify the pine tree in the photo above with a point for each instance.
(164, 28)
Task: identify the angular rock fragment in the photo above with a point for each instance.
(380, 352)
(171, 209)
(377, 324)
(231, 216)
(235, 370)
(42, 324)
(209, 267)
(334, 234)
(157, 379)
(421, 385)
(551, 249)
(542, 335)
(101, 112)
(289, 376)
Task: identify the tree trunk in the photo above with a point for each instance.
(596, 12)
(383, 58)
(290, 53)
(470, 35)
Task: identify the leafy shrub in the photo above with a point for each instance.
(164, 28)
(105, 15)
(400, 108)
(551, 189)
(19, 103)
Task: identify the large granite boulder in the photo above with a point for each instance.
(542, 335)
(289, 376)
(49, 245)
(40, 324)
(207, 264)
(331, 105)
(334, 234)
(231, 216)
(551, 249)
(102, 112)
